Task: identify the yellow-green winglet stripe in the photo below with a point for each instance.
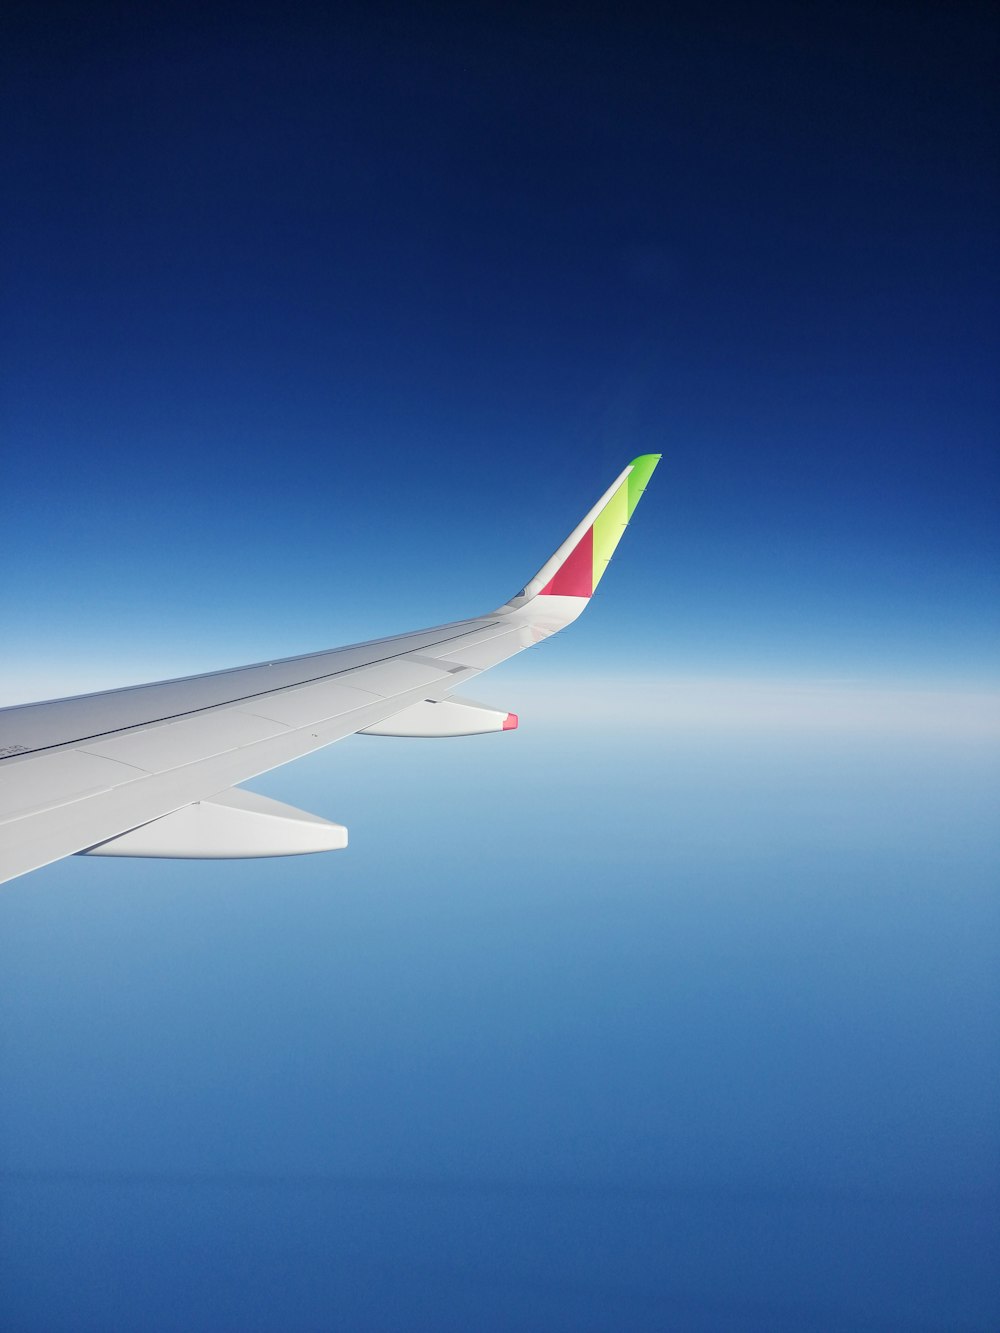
(613, 518)
(608, 528)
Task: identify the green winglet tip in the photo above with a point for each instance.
(643, 468)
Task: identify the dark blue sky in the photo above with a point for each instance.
(677, 1007)
(278, 285)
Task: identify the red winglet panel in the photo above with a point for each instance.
(575, 576)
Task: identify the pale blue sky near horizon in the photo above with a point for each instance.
(604, 1025)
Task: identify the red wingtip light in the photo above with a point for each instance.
(510, 722)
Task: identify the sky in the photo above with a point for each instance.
(323, 327)
(678, 1006)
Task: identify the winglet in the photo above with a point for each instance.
(578, 565)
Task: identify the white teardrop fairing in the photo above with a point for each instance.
(235, 824)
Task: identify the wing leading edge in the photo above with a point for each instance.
(85, 773)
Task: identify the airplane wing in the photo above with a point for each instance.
(152, 770)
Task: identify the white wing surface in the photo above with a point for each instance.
(150, 770)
